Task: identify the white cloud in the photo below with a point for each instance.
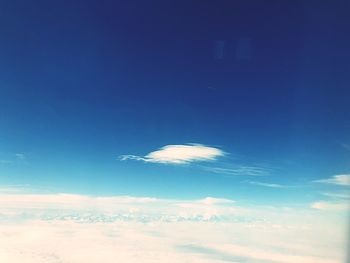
(62, 241)
(238, 170)
(330, 206)
(338, 195)
(73, 228)
(340, 179)
(215, 201)
(73, 201)
(266, 184)
(179, 154)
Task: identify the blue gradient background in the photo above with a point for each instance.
(83, 82)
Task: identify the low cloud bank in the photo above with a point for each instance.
(66, 228)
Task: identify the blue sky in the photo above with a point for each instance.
(84, 84)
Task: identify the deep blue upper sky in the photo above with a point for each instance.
(83, 82)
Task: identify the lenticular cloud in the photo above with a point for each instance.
(179, 154)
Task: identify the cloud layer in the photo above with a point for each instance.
(68, 228)
(179, 154)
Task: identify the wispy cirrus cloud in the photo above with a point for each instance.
(178, 154)
(331, 205)
(272, 185)
(238, 170)
(215, 201)
(337, 201)
(338, 195)
(340, 179)
(193, 153)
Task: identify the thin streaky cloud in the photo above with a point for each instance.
(331, 206)
(215, 201)
(266, 184)
(341, 195)
(178, 154)
(340, 179)
(239, 170)
(131, 157)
